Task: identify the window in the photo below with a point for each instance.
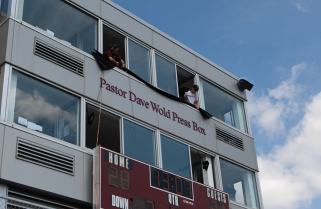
(185, 81)
(175, 157)
(197, 170)
(239, 183)
(222, 105)
(61, 20)
(43, 108)
(109, 131)
(112, 37)
(166, 75)
(4, 5)
(139, 142)
(139, 60)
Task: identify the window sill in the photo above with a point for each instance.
(53, 38)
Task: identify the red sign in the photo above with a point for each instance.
(123, 182)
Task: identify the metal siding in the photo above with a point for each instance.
(126, 23)
(224, 80)
(141, 112)
(210, 135)
(246, 157)
(174, 51)
(88, 178)
(109, 98)
(39, 177)
(92, 5)
(4, 29)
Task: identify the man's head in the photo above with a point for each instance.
(114, 48)
(194, 89)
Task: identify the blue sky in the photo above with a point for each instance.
(276, 45)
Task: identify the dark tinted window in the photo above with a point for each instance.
(109, 131)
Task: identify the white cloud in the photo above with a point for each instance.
(268, 112)
(301, 8)
(290, 174)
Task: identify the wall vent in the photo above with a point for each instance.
(59, 57)
(229, 138)
(43, 156)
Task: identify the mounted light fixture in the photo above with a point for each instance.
(205, 164)
(244, 84)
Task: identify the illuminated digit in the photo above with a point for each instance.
(125, 180)
(111, 176)
(213, 204)
(157, 178)
(189, 188)
(166, 181)
(151, 204)
(180, 186)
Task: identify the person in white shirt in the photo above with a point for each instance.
(192, 96)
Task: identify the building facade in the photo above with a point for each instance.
(54, 95)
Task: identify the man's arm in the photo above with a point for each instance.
(113, 61)
(122, 63)
(195, 103)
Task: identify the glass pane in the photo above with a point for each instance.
(239, 183)
(139, 142)
(109, 131)
(61, 20)
(43, 108)
(139, 60)
(3, 9)
(175, 157)
(222, 105)
(166, 76)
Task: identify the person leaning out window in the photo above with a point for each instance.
(192, 96)
(114, 57)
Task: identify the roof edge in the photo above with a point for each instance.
(169, 38)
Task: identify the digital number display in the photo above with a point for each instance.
(118, 178)
(171, 183)
(141, 203)
(216, 205)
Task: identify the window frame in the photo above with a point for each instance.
(257, 183)
(155, 69)
(15, 5)
(42, 135)
(122, 148)
(233, 95)
(150, 56)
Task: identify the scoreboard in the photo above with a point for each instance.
(123, 182)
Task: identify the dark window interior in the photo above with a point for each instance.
(185, 81)
(109, 131)
(196, 162)
(112, 37)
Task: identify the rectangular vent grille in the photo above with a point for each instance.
(229, 138)
(59, 57)
(44, 156)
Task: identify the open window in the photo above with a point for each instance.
(112, 37)
(4, 6)
(109, 131)
(197, 170)
(185, 81)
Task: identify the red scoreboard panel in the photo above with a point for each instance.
(123, 182)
